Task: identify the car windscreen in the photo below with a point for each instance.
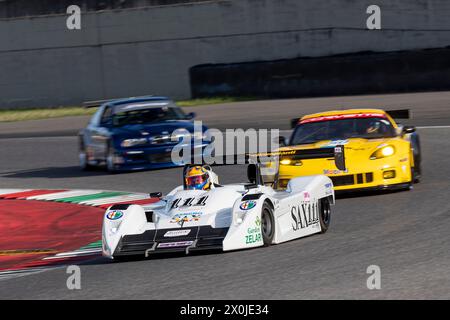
(141, 114)
(367, 128)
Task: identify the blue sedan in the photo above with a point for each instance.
(136, 134)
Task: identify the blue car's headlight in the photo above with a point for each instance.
(133, 142)
(188, 135)
(199, 136)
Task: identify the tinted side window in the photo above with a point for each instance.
(106, 116)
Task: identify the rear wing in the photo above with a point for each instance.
(98, 103)
(337, 152)
(95, 103)
(264, 161)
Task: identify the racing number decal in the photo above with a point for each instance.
(175, 203)
(202, 201)
(189, 202)
(304, 215)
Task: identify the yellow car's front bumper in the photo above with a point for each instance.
(385, 173)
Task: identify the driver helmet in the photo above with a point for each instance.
(197, 178)
(374, 127)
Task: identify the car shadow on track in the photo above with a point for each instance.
(53, 172)
(160, 256)
(68, 172)
(359, 194)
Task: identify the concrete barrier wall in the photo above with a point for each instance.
(150, 50)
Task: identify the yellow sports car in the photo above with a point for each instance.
(376, 152)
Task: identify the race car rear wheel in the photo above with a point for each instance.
(267, 224)
(324, 214)
(83, 157)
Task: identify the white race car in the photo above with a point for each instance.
(226, 217)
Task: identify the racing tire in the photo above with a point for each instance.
(416, 171)
(82, 157)
(267, 224)
(416, 174)
(324, 214)
(110, 160)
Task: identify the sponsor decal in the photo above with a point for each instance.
(306, 196)
(186, 217)
(258, 221)
(330, 171)
(304, 215)
(175, 244)
(247, 205)
(177, 233)
(254, 234)
(334, 143)
(328, 188)
(114, 215)
(189, 202)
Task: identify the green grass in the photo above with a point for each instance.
(218, 100)
(45, 113)
(10, 115)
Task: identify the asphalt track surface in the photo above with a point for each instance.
(406, 233)
(428, 108)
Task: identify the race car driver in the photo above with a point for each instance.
(200, 178)
(373, 128)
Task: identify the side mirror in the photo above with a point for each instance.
(409, 129)
(191, 115)
(156, 195)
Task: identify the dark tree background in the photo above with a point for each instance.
(23, 8)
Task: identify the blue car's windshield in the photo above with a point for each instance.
(367, 128)
(125, 115)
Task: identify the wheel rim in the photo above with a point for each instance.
(110, 161)
(83, 159)
(266, 223)
(326, 212)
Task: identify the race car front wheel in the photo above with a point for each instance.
(416, 171)
(267, 224)
(110, 159)
(324, 214)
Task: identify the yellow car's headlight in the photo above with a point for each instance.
(290, 162)
(383, 152)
